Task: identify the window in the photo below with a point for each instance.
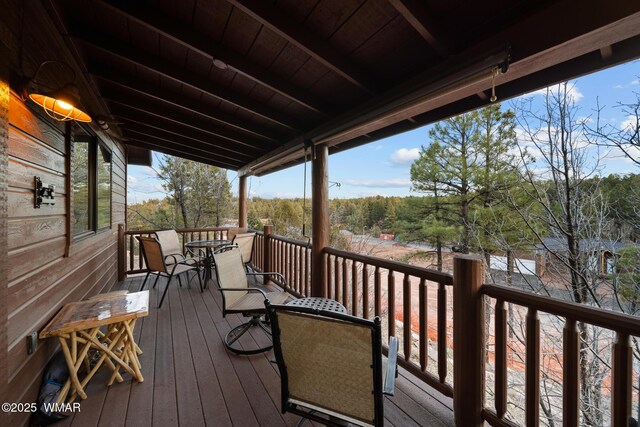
(103, 163)
(91, 183)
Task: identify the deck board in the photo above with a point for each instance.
(190, 379)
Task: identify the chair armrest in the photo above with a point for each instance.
(225, 247)
(264, 295)
(392, 368)
(175, 260)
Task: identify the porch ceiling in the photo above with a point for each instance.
(243, 84)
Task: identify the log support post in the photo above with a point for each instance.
(320, 218)
(242, 202)
(468, 341)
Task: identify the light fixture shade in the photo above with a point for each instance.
(61, 105)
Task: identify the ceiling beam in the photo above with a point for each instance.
(141, 88)
(134, 120)
(132, 140)
(157, 65)
(298, 35)
(184, 35)
(415, 13)
(121, 106)
(178, 144)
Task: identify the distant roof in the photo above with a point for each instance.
(560, 244)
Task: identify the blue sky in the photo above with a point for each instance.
(382, 167)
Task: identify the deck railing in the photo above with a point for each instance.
(369, 286)
(130, 257)
(624, 327)
(291, 258)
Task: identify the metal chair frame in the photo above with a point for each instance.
(256, 316)
(167, 273)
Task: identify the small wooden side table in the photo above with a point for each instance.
(79, 328)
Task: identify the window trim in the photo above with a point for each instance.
(94, 144)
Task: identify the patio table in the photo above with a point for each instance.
(319, 304)
(103, 327)
(209, 246)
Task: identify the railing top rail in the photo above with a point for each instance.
(618, 322)
(179, 230)
(289, 240)
(412, 270)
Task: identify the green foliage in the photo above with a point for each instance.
(200, 193)
(628, 266)
(466, 168)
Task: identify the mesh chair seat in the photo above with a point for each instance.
(254, 302)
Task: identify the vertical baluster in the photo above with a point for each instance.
(300, 275)
(621, 394)
(294, 263)
(132, 250)
(330, 290)
(140, 257)
(289, 256)
(501, 359)
(532, 382)
(391, 298)
(307, 273)
(570, 374)
(442, 333)
(345, 288)
(365, 291)
(354, 288)
(406, 316)
(377, 300)
(424, 324)
(336, 283)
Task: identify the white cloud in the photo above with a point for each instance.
(573, 93)
(629, 123)
(132, 179)
(404, 156)
(384, 183)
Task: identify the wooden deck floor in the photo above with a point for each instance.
(191, 380)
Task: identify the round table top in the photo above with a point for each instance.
(319, 304)
(206, 243)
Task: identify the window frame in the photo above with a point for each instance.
(95, 144)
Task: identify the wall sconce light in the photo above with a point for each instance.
(62, 103)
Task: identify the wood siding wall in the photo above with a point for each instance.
(46, 269)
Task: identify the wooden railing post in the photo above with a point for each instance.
(319, 218)
(266, 250)
(622, 391)
(468, 340)
(122, 254)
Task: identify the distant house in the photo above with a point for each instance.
(600, 255)
(385, 236)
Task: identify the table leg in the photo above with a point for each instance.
(109, 352)
(73, 373)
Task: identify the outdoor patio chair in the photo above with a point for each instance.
(238, 297)
(245, 242)
(331, 366)
(171, 247)
(155, 261)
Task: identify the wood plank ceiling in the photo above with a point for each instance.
(245, 84)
